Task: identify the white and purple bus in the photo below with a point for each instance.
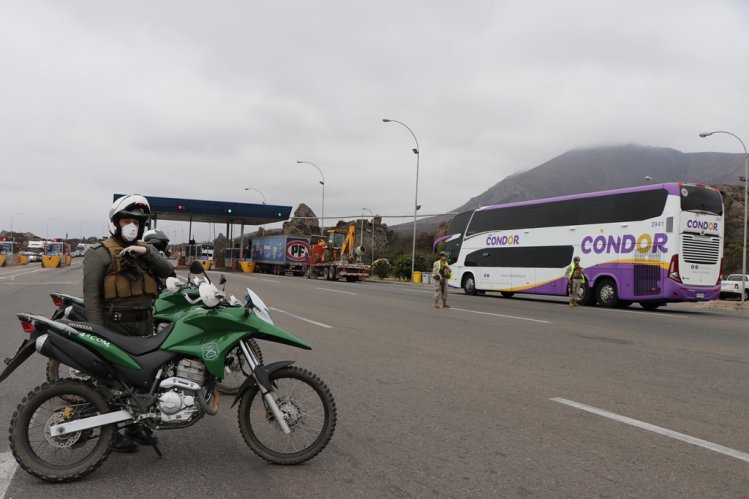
(652, 244)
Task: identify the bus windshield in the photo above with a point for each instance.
(701, 200)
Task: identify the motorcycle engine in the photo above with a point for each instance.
(178, 403)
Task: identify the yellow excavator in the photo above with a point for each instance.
(338, 257)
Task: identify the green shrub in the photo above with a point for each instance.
(381, 268)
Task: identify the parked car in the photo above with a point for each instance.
(731, 286)
(32, 256)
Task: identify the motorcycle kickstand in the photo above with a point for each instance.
(152, 442)
(156, 449)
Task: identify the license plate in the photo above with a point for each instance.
(700, 295)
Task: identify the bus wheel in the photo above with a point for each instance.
(507, 294)
(469, 285)
(651, 305)
(606, 293)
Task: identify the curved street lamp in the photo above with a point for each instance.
(746, 181)
(256, 190)
(322, 182)
(416, 197)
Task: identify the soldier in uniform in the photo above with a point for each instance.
(441, 273)
(120, 283)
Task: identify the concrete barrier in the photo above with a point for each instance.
(51, 262)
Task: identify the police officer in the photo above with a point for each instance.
(159, 240)
(120, 283)
(441, 273)
(119, 274)
(576, 276)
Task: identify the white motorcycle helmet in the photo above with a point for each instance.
(130, 206)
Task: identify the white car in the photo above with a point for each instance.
(731, 286)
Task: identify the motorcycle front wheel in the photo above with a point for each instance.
(308, 408)
(235, 375)
(60, 458)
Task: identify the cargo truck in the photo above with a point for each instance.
(280, 254)
(337, 257)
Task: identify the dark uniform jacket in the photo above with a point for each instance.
(119, 292)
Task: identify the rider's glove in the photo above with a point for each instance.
(134, 250)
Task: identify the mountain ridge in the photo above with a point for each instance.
(597, 169)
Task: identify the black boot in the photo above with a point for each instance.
(137, 433)
(123, 444)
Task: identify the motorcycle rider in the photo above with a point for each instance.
(120, 283)
(159, 240)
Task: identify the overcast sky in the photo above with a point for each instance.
(201, 99)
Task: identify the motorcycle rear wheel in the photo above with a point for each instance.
(234, 379)
(57, 370)
(309, 410)
(64, 458)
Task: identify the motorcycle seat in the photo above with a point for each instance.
(135, 345)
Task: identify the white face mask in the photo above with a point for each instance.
(129, 232)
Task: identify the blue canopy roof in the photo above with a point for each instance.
(198, 210)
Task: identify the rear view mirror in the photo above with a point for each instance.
(196, 267)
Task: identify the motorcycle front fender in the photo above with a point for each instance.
(251, 383)
(27, 348)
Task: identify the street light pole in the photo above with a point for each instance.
(361, 237)
(322, 182)
(746, 181)
(253, 189)
(373, 232)
(416, 197)
(13, 245)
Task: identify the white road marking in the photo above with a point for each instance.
(501, 315)
(337, 291)
(301, 318)
(8, 468)
(657, 429)
(16, 274)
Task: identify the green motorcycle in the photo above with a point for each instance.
(169, 303)
(63, 430)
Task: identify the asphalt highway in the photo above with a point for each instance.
(494, 397)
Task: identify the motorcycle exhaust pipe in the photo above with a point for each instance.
(72, 354)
